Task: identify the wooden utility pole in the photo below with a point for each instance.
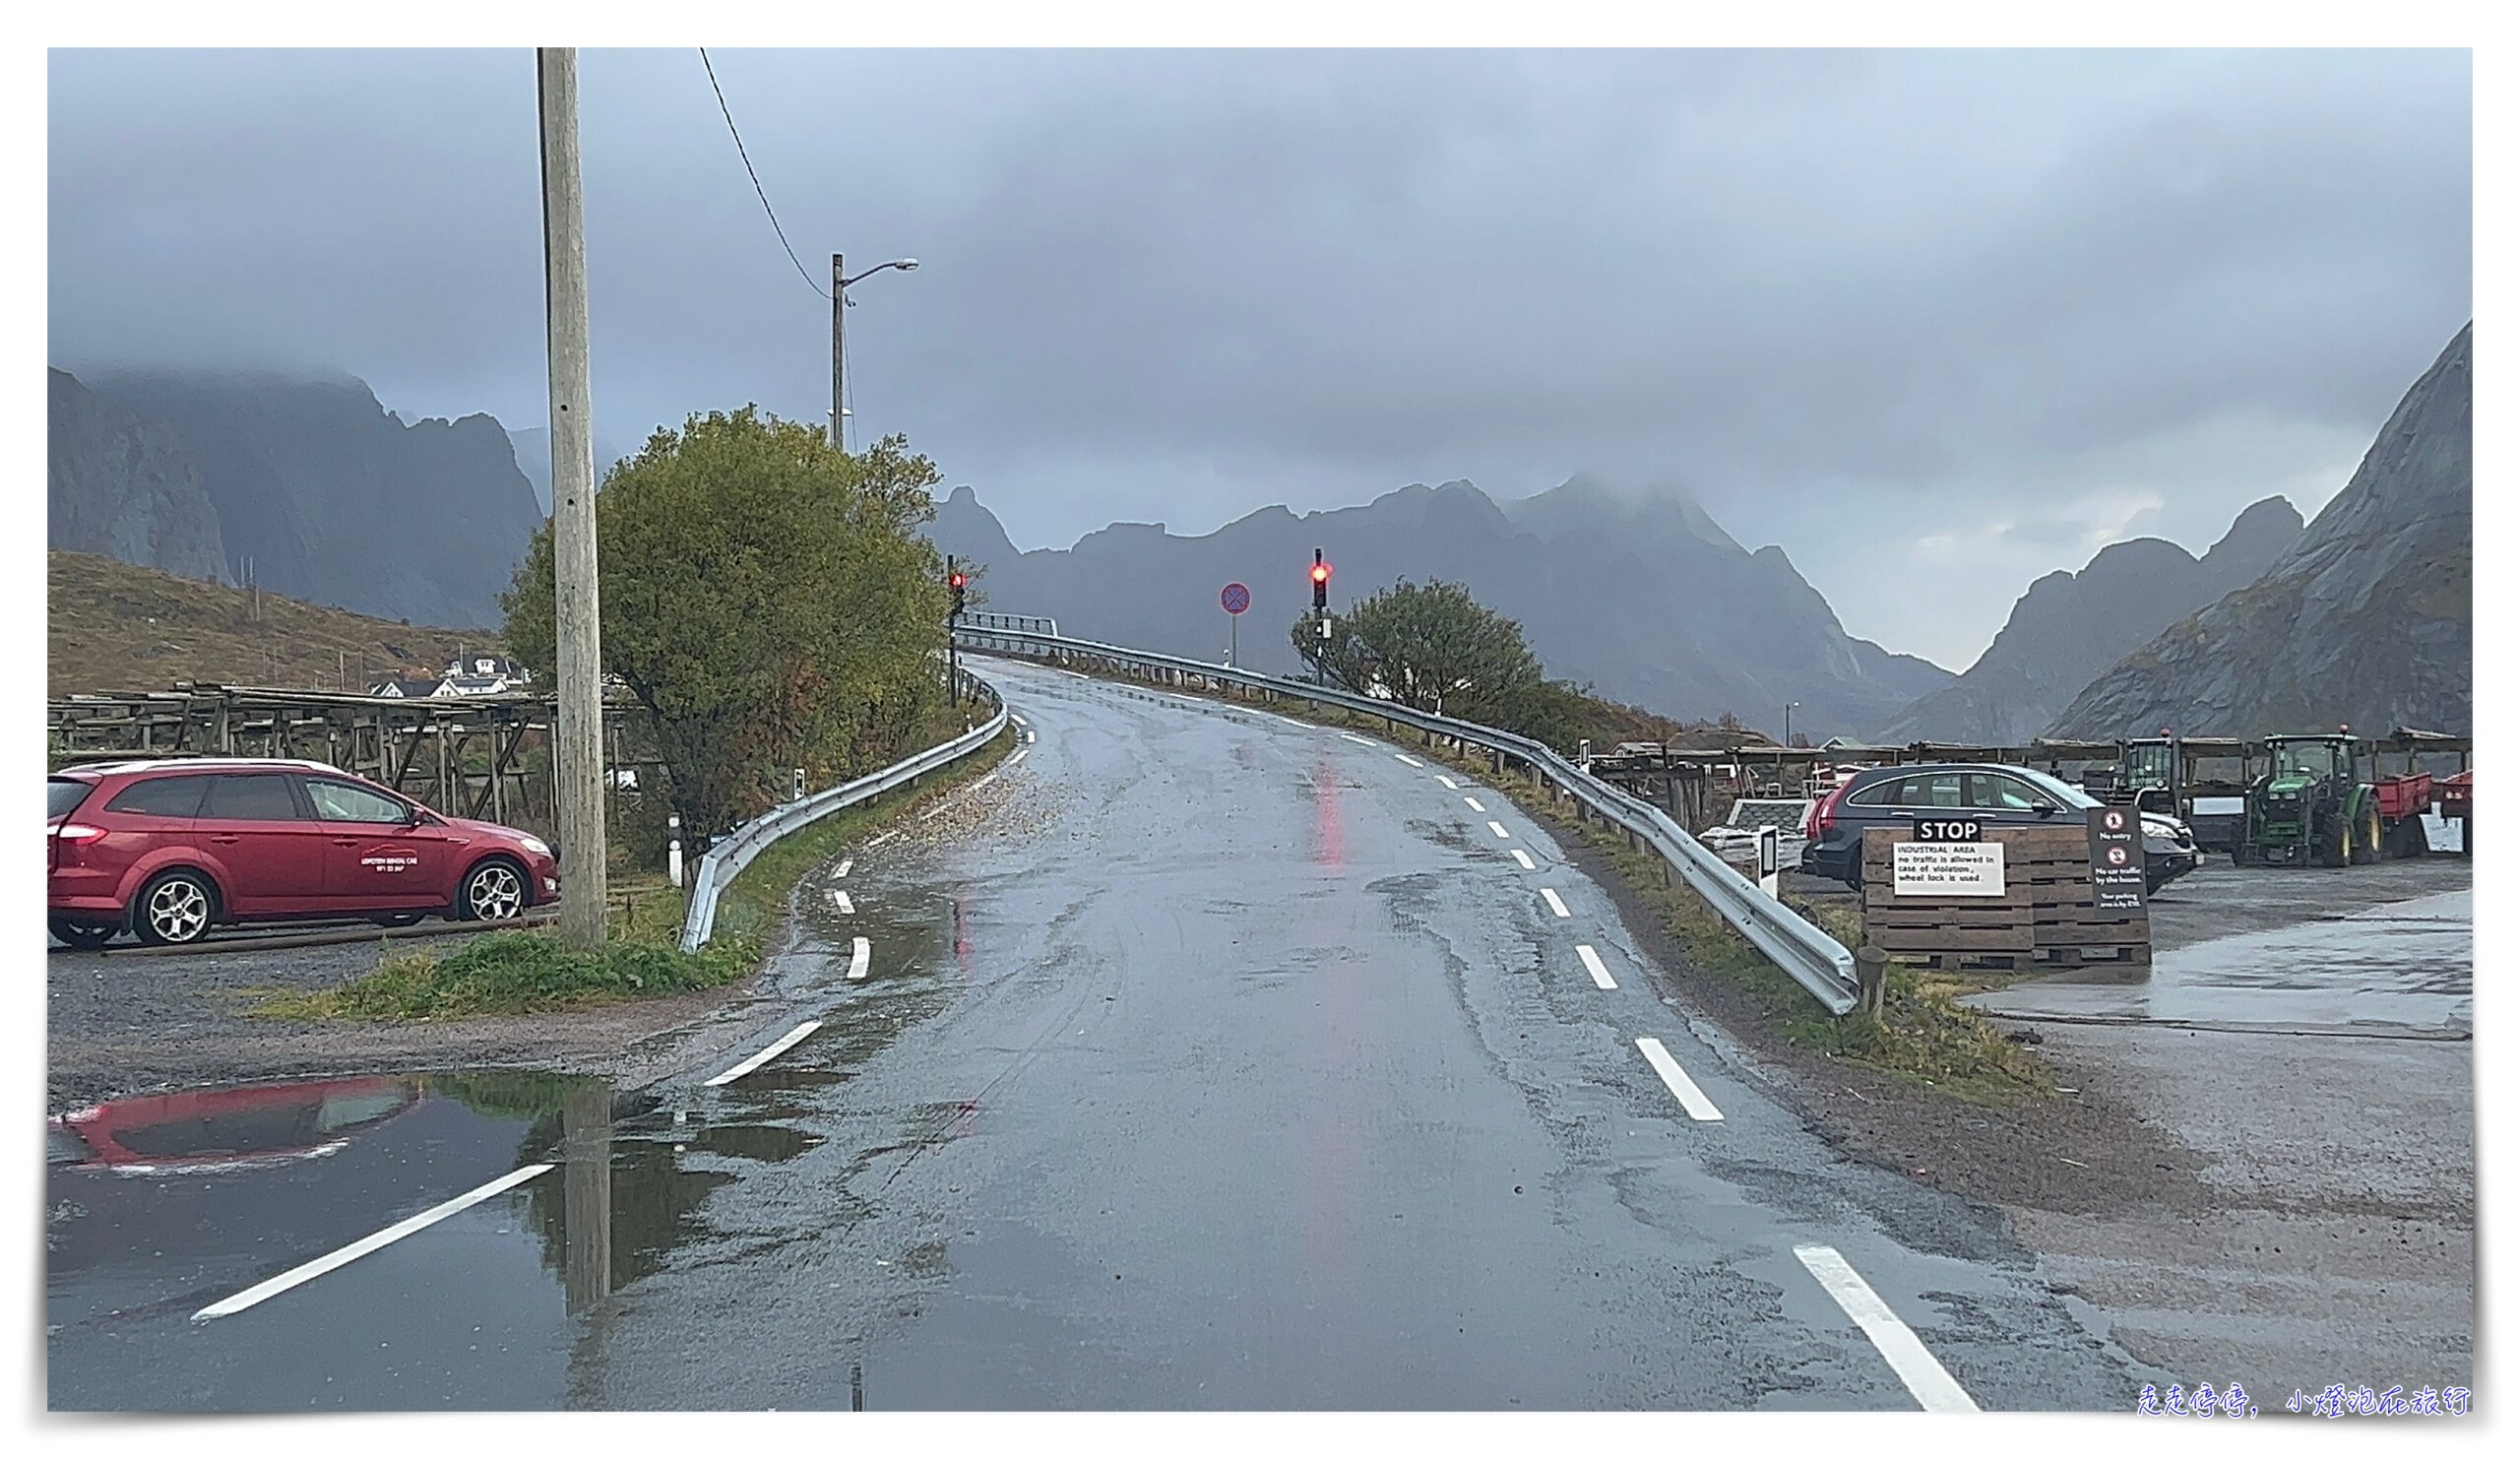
(578, 797)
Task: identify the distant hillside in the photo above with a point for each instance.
(337, 501)
(127, 487)
(2367, 620)
(1642, 596)
(115, 627)
(2070, 626)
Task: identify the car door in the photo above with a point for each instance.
(377, 859)
(265, 846)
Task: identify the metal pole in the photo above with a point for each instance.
(840, 300)
(578, 626)
(838, 303)
(952, 664)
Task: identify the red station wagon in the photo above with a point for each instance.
(169, 848)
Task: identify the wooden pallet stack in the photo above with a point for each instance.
(2046, 915)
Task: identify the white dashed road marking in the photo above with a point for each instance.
(1019, 718)
(1932, 1384)
(1499, 828)
(1555, 903)
(1405, 760)
(1525, 858)
(880, 840)
(785, 1042)
(1592, 965)
(1448, 783)
(1356, 738)
(845, 864)
(262, 1291)
(1473, 802)
(1683, 1087)
(1018, 757)
(840, 898)
(859, 950)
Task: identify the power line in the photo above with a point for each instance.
(818, 289)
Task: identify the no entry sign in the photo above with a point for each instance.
(1235, 598)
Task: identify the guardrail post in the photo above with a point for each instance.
(1871, 977)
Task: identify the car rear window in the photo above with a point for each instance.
(249, 797)
(173, 796)
(62, 795)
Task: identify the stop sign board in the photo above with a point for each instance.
(1235, 598)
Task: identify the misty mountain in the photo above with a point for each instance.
(337, 501)
(532, 447)
(2070, 626)
(125, 487)
(1644, 597)
(2368, 619)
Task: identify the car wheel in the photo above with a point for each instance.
(491, 892)
(175, 908)
(396, 919)
(87, 936)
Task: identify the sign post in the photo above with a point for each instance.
(1234, 600)
(1768, 859)
(2116, 861)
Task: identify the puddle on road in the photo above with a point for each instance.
(2404, 967)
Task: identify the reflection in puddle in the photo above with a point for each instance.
(233, 1128)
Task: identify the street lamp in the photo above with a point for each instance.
(840, 301)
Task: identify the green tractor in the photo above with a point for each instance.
(2310, 807)
(2150, 775)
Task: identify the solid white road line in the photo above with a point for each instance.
(1525, 858)
(1405, 760)
(1019, 718)
(859, 950)
(785, 1041)
(1549, 896)
(265, 1290)
(1932, 1384)
(1592, 965)
(840, 898)
(1358, 738)
(1473, 802)
(845, 864)
(1501, 833)
(1072, 673)
(1017, 758)
(1684, 1089)
(1448, 783)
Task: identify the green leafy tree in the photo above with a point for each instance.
(767, 600)
(1430, 647)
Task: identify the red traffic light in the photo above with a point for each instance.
(1321, 572)
(957, 580)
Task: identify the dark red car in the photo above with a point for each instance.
(169, 848)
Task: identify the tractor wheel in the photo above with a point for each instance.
(2336, 844)
(2366, 844)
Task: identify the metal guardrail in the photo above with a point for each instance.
(1019, 621)
(728, 858)
(1814, 959)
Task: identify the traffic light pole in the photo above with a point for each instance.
(953, 620)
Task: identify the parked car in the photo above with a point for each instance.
(166, 850)
(1992, 795)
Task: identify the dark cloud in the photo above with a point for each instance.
(1964, 314)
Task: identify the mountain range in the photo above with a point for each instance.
(2367, 620)
(309, 483)
(2070, 626)
(1642, 596)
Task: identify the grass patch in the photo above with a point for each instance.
(525, 972)
(1923, 1033)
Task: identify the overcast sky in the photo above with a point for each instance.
(1936, 323)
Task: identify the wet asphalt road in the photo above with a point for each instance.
(1229, 1063)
